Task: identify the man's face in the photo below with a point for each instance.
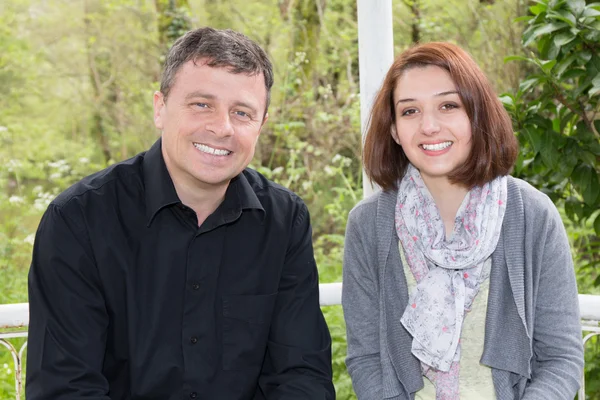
(210, 124)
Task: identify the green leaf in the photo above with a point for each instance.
(523, 18)
(553, 49)
(576, 6)
(564, 64)
(550, 155)
(564, 16)
(563, 38)
(590, 12)
(569, 158)
(573, 73)
(584, 56)
(587, 157)
(538, 9)
(572, 208)
(586, 182)
(543, 30)
(535, 138)
(528, 83)
(597, 225)
(518, 58)
(507, 100)
(547, 65)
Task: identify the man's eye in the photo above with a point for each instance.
(242, 114)
(201, 105)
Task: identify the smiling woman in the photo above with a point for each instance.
(486, 308)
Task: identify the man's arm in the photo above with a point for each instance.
(68, 319)
(298, 360)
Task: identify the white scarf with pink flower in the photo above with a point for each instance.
(448, 272)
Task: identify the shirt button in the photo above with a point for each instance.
(196, 286)
(194, 339)
(193, 395)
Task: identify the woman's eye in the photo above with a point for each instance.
(410, 111)
(449, 106)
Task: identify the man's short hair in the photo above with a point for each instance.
(218, 48)
(494, 146)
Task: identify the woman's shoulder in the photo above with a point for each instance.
(535, 203)
(368, 208)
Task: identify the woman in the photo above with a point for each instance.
(458, 279)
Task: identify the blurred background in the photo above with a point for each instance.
(77, 78)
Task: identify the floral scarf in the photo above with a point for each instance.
(448, 272)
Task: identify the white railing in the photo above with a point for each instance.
(15, 317)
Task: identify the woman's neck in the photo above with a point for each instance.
(448, 197)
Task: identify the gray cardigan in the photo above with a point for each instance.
(532, 330)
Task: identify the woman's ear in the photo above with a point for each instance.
(395, 134)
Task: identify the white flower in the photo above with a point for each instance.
(29, 239)
(16, 200)
(329, 171)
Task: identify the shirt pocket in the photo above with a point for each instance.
(246, 322)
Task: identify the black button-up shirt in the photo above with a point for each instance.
(130, 299)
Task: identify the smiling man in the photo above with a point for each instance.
(181, 273)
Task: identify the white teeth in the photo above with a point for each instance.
(437, 146)
(216, 152)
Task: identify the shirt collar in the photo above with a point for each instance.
(160, 191)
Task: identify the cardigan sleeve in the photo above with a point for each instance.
(557, 364)
(360, 302)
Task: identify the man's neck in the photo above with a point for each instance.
(204, 200)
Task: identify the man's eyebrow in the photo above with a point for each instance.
(407, 100)
(197, 93)
(246, 105)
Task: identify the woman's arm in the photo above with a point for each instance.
(557, 364)
(360, 301)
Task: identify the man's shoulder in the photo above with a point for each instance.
(266, 189)
(127, 174)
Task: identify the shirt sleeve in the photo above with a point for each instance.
(557, 365)
(68, 318)
(360, 301)
(298, 359)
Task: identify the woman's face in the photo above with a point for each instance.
(431, 125)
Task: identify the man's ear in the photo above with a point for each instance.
(264, 121)
(159, 104)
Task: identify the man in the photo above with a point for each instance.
(180, 273)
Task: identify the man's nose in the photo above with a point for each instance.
(219, 123)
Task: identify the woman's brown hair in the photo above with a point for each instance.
(494, 146)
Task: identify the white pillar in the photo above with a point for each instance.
(375, 55)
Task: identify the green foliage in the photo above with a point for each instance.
(556, 109)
